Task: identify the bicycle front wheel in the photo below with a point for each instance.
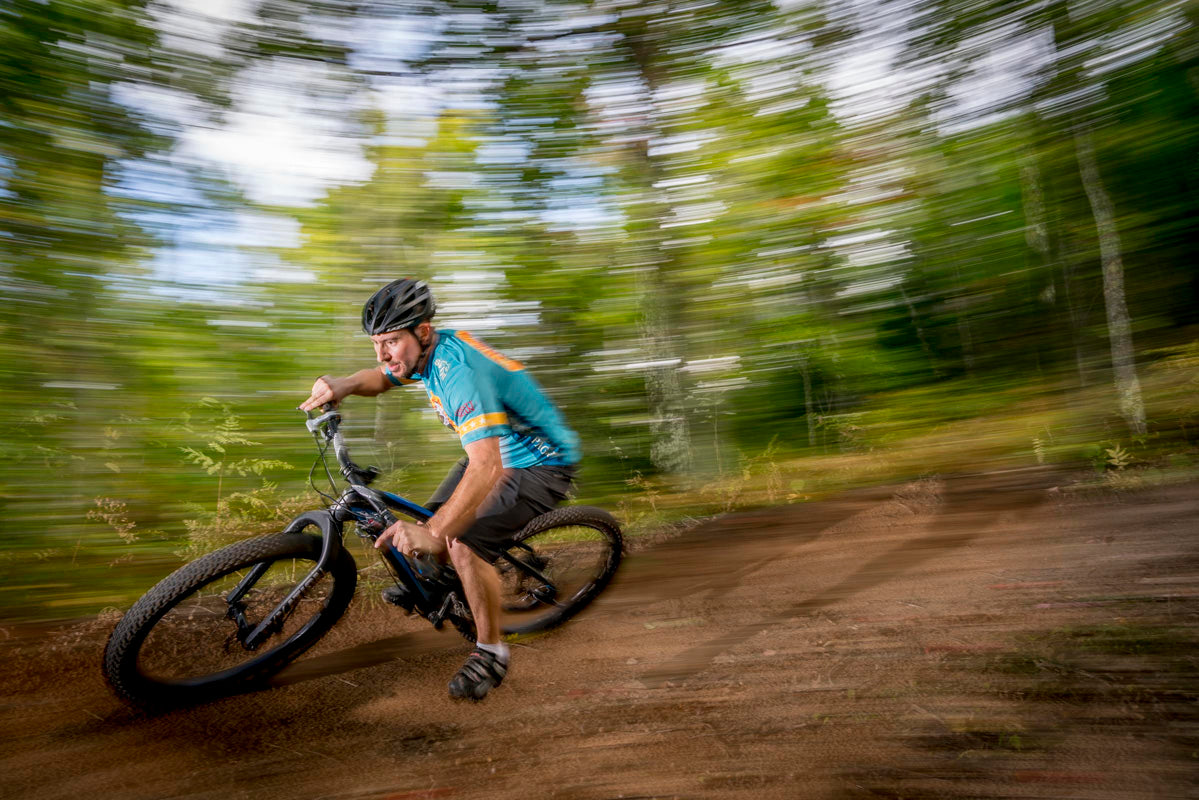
(557, 565)
(182, 642)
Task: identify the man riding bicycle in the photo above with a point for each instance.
(520, 454)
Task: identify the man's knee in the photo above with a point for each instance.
(461, 554)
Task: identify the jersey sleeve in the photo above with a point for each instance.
(473, 405)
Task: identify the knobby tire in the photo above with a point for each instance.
(603, 540)
(121, 658)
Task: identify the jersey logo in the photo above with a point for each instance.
(507, 363)
(464, 409)
(435, 401)
(442, 367)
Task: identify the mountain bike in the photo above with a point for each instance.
(229, 620)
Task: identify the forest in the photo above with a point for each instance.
(758, 252)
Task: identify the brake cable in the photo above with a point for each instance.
(320, 458)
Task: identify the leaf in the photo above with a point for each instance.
(201, 460)
(261, 465)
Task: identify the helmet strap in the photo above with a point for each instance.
(426, 349)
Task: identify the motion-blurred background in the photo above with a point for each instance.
(758, 251)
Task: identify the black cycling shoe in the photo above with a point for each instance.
(481, 673)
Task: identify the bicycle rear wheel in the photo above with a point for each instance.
(557, 565)
(179, 644)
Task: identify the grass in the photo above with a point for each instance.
(955, 427)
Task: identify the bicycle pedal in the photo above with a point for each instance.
(438, 616)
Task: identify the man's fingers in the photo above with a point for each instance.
(322, 393)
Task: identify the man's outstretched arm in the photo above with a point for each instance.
(364, 382)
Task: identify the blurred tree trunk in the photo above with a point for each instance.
(1036, 232)
(1119, 330)
(920, 335)
(808, 401)
(670, 448)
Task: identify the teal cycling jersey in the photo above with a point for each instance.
(479, 393)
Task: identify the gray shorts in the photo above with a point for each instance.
(520, 495)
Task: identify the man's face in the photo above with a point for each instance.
(399, 350)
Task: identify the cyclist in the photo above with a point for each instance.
(520, 455)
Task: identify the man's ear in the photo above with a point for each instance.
(424, 332)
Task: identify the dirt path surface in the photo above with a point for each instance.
(978, 636)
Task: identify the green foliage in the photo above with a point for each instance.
(222, 428)
(241, 515)
(1117, 457)
(1038, 449)
(670, 218)
(1178, 394)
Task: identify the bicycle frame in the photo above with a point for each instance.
(428, 585)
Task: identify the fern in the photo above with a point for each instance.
(1117, 457)
(115, 514)
(222, 441)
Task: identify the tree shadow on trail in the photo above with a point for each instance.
(368, 654)
(719, 556)
(970, 505)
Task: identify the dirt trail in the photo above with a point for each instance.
(977, 636)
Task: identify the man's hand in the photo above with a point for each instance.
(325, 390)
(412, 539)
(365, 382)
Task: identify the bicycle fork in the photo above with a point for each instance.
(252, 638)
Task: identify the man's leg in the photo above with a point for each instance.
(488, 664)
(481, 582)
(520, 495)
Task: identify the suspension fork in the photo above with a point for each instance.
(331, 530)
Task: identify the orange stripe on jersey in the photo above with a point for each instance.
(482, 421)
(507, 363)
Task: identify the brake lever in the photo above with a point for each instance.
(314, 423)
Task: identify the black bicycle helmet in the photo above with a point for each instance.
(403, 303)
